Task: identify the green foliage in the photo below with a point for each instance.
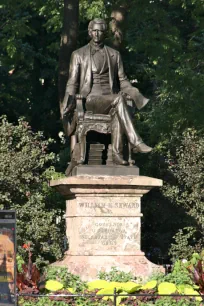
(130, 287)
(191, 291)
(160, 286)
(196, 269)
(169, 56)
(186, 190)
(97, 284)
(150, 285)
(107, 290)
(164, 40)
(184, 244)
(48, 302)
(100, 287)
(24, 157)
(62, 275)
(168, 301)
(163, 288)
(53, 285)
(116, 275)
(178, 276)
(92, 9)
(30, 35)
(42, 302)
(166, 288)
(19, 262)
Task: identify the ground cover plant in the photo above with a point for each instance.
(185, 279)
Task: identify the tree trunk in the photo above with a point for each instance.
(68, 42)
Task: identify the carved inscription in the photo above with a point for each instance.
(105, 206)
(109, 205)
(123, 233)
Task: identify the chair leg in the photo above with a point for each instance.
(73, 143)
(82, 142)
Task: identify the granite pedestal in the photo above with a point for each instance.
(103, 224)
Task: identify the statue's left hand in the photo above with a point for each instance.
(71, 105)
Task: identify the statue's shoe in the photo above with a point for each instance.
(142, 148)
(80, 161)
(117, 159)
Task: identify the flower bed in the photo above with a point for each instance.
(183, 287)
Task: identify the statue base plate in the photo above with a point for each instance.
(105, 170)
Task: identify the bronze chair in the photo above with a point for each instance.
(86, 122)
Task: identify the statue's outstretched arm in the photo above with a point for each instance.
(126, 87)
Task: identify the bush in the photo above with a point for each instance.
(186, 166)
(26, 168)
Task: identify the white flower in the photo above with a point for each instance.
(61, 134)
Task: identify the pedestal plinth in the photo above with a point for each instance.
(103, 224)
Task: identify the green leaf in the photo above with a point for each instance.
(190, 291)
(116, 285)
(72, 290)
(98, 284)
(182, 287)
(166, 288)
(119, 298)
(106, 291)
(150, 285)
(130, 287)
(53, 285)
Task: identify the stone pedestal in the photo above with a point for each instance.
(103, 224)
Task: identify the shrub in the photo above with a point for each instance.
(186, 165)
(25, 169)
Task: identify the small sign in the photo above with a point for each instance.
(7, 258)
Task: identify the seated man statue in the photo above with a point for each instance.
(97, 74)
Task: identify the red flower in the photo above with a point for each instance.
(26, 246)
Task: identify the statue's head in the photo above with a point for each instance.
(97, 29)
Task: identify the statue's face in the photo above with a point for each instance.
(97, 33)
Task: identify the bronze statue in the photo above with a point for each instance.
(97, 74)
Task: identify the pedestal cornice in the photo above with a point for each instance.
(105, 185)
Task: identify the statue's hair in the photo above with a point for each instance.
(98, 21)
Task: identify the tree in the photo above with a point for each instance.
(164, 41)
(68, 42)
(29, 47)
(187, 190)
(26, 168)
